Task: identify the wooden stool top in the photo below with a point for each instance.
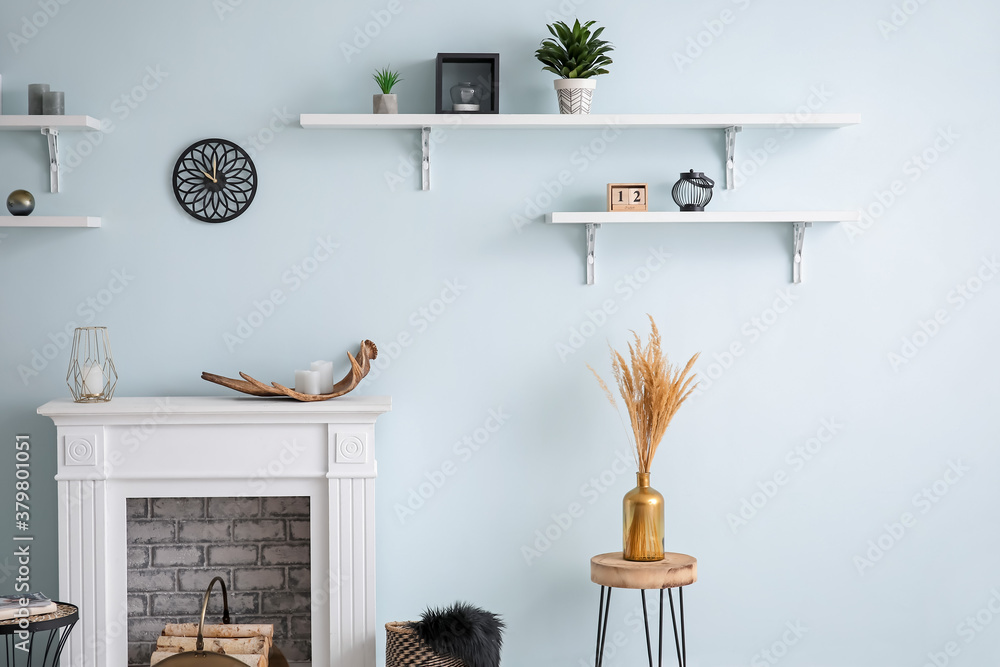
(673, 571)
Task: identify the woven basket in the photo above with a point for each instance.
(404, 648)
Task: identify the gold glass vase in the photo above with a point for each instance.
(642, 536)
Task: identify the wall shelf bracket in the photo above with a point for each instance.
(731, 155)
(52, 135)
(591, 242)
(798, 236)
(425, 162)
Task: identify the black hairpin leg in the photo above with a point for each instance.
(679, 641)
(645, 622)
(603, 609)
(659, 658)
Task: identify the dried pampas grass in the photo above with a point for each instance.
(652, 390)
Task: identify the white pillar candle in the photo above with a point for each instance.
(325, 369)
(93, 380)
(307, 382)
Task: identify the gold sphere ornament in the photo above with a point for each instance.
(20, 202)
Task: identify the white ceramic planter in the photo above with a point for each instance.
(575, 95)
(385, 103)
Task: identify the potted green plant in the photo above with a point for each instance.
(386, 101)
(576, 55)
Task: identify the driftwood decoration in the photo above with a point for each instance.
(248, 385)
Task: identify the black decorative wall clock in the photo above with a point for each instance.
(214, 180)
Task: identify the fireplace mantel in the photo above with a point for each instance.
(218, 446)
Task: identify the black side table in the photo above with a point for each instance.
(66, 616)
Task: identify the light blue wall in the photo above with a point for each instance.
(825, 359)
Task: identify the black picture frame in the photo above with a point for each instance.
(452, 68)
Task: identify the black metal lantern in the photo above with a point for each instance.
(693, 191)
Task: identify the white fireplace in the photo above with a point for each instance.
(175, 447)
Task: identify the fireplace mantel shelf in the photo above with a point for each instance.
(217, 409)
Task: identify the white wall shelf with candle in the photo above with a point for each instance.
(729, 123)
(50, 126)
(48, 221)
(798, 219)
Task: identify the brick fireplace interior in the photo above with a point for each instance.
(259, 546)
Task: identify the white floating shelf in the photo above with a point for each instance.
(650, 217)
(680, 121)
(49, 221)
(59, 122)
(50, 127)
(730, 123)
(798, 219)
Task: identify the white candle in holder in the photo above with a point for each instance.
(325, 369)
(307, 382)
(93, 380)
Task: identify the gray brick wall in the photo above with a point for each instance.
(259, 546)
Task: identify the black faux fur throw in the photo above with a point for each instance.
(463, 631)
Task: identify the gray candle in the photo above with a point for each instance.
(35, 92)
(54, 103)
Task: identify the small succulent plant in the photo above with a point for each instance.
(575, 53)
(386, 79)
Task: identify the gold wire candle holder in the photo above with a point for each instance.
(91, 376)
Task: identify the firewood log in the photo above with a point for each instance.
(225, 631)
(249, 645)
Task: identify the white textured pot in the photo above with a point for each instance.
(575, 95)
(385, 103)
